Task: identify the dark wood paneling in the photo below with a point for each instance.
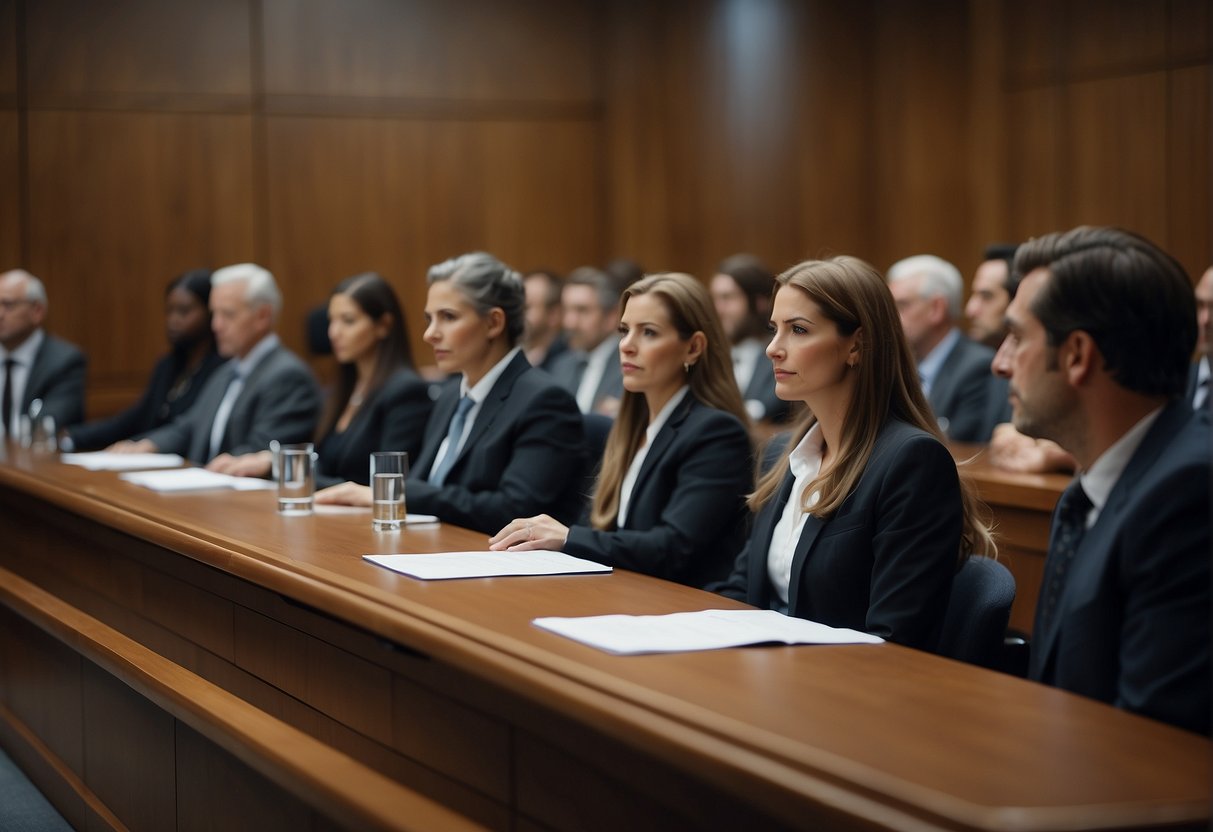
(1189, 169)
(78, 47)
(1032, 33)
(1036, 194)
(1191, 36)
(1111, 36)
(129, 200)
(10, 189)
(8, 53)
(1115, 158)
(474, 49)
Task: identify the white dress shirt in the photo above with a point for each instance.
(477, 393)
(1099, 480)
(241, 369)
(650, 433)
(929, 367)
(595, 367)
(23, 362)
(805, 462)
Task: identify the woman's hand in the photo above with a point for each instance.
(529, 533)
(132, 446)
(346, 494)
(256, 464)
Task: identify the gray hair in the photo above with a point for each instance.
(260, 288)
(600, 282)
(35, 291)
(487, 284)
(940, 279)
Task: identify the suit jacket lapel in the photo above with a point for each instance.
(492, 404)
(768, 519)
(808, 537)
(37, 371)
(662, 442)
(435, 431)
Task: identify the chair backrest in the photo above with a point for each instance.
(976, 620)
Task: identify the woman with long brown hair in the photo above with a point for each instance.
(669, 499)
(865, 519)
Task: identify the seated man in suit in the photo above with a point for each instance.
(741, 292)
(264, 392)
(542, 341)
(590, 369)
(991, 293)
(955, 370)
(33, 363)
(1100, 334)
(1198, 376)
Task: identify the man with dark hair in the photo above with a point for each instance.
(542, 340)
(1198, 378)
(991, 293)
(741, 292)
(1099, 337)
(590, 370)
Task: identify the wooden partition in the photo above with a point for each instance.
(139, 138)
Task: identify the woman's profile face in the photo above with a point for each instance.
(354, 334)
(186, 319)
(651, 351)
(458, 334)
(808, 353)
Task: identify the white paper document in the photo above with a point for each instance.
(102, 461)
(486, 564)
(194, 479)
(703, 630)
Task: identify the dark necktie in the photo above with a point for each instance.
(1069, 526)
(7, 403)
(452, 440)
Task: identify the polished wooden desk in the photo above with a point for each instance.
(1022, 507)
(446, 689)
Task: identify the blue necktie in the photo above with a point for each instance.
(1068, 530)
(452, 441)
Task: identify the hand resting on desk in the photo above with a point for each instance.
(345, 494)
(528, 533)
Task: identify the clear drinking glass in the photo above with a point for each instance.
(388, 472)
(296, 480)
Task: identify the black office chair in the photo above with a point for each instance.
(976, 620)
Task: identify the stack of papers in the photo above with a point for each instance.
(486, 564)
(102, 461)
(703, 630)
(194, 479)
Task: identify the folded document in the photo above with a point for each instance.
(486, 564)
(194, 479)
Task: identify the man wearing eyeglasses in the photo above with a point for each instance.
(33, 363)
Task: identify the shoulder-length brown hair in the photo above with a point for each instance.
(710, 380)
(855, 297)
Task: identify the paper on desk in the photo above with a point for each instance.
(486, 564)
(194, 479)
(703, 630)
(102, 461)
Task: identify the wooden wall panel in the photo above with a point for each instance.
(80, 51)
(1110, 36)
(129, 200)
(1189, 172)
(10, 190)
(1032, 32)
(398, 195)
(1191, 35)
(1036, 192)
(482, 50)
(1115, 157)
(8, 54)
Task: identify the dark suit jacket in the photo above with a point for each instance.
(57, 377)
(687, 516)
(525, 455)
(280, 400)
(884, 562)
(393, 419)
(960, 393)
(152, 410)
(556, 349)
(1193, 377)
(1132, 623)
(569, 367)
(762, 389)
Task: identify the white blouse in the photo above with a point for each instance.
(805, 463)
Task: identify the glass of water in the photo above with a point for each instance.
(388, 472)
(296, 480)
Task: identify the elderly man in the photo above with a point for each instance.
(264, 392)
(33, 363)
(590, 369)
(1099, 338)
(955, 370)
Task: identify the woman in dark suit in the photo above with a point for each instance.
(176, 378)
(864, 521)
(380, 403)
(670, 497)
(505, 439)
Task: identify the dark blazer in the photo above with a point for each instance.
(1132, 623)
(280, 400)
(884, 562)
(960, 393)
(1193, 377)
(687, 516)
(556, 349)
(762, 389)
(525, 455)
(154, 408)
(57, 377)
(392, 419)
(569, 367)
